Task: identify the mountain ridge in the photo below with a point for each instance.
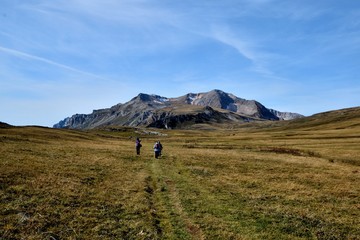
(151, 110)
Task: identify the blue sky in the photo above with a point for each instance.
(61, 57)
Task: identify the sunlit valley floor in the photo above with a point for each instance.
(289, 181)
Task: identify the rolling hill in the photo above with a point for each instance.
(347, 118)
(4, 125)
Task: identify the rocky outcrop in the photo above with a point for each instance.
(285, 115)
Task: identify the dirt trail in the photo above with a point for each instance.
(193, 230)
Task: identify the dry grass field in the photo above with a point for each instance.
(296, 180)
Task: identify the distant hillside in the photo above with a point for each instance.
(348, 118)
(4, 125)
(156, 111)
(337, 119)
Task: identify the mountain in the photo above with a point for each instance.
(147, 110)
(223, 100)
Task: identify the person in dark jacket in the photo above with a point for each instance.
(157, 149)
(161, 148)
(138, 146)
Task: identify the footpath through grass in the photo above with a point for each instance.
(60, 184)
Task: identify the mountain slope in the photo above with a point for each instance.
(183, 117)
(348, 118)
(156, 111)
(4, 125)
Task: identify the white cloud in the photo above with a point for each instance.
(129, 12)
(227, 37)
(247, 47)
(47, 61)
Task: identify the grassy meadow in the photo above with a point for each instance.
(298, 181)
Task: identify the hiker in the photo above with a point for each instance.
(157, 149)
(138, 146)
(161, 147)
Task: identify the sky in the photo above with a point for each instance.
(60, 57)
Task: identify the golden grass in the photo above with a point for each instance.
(272, 183)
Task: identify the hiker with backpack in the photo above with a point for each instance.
(157, 149)
(138, 146)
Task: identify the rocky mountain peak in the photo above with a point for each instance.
(154, 110)
(150, 98)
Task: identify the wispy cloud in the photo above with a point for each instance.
(247, 48)
(47, 61)
(127, 12)
(283, 9)
(227, 37)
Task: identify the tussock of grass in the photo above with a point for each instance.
(223, 184)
